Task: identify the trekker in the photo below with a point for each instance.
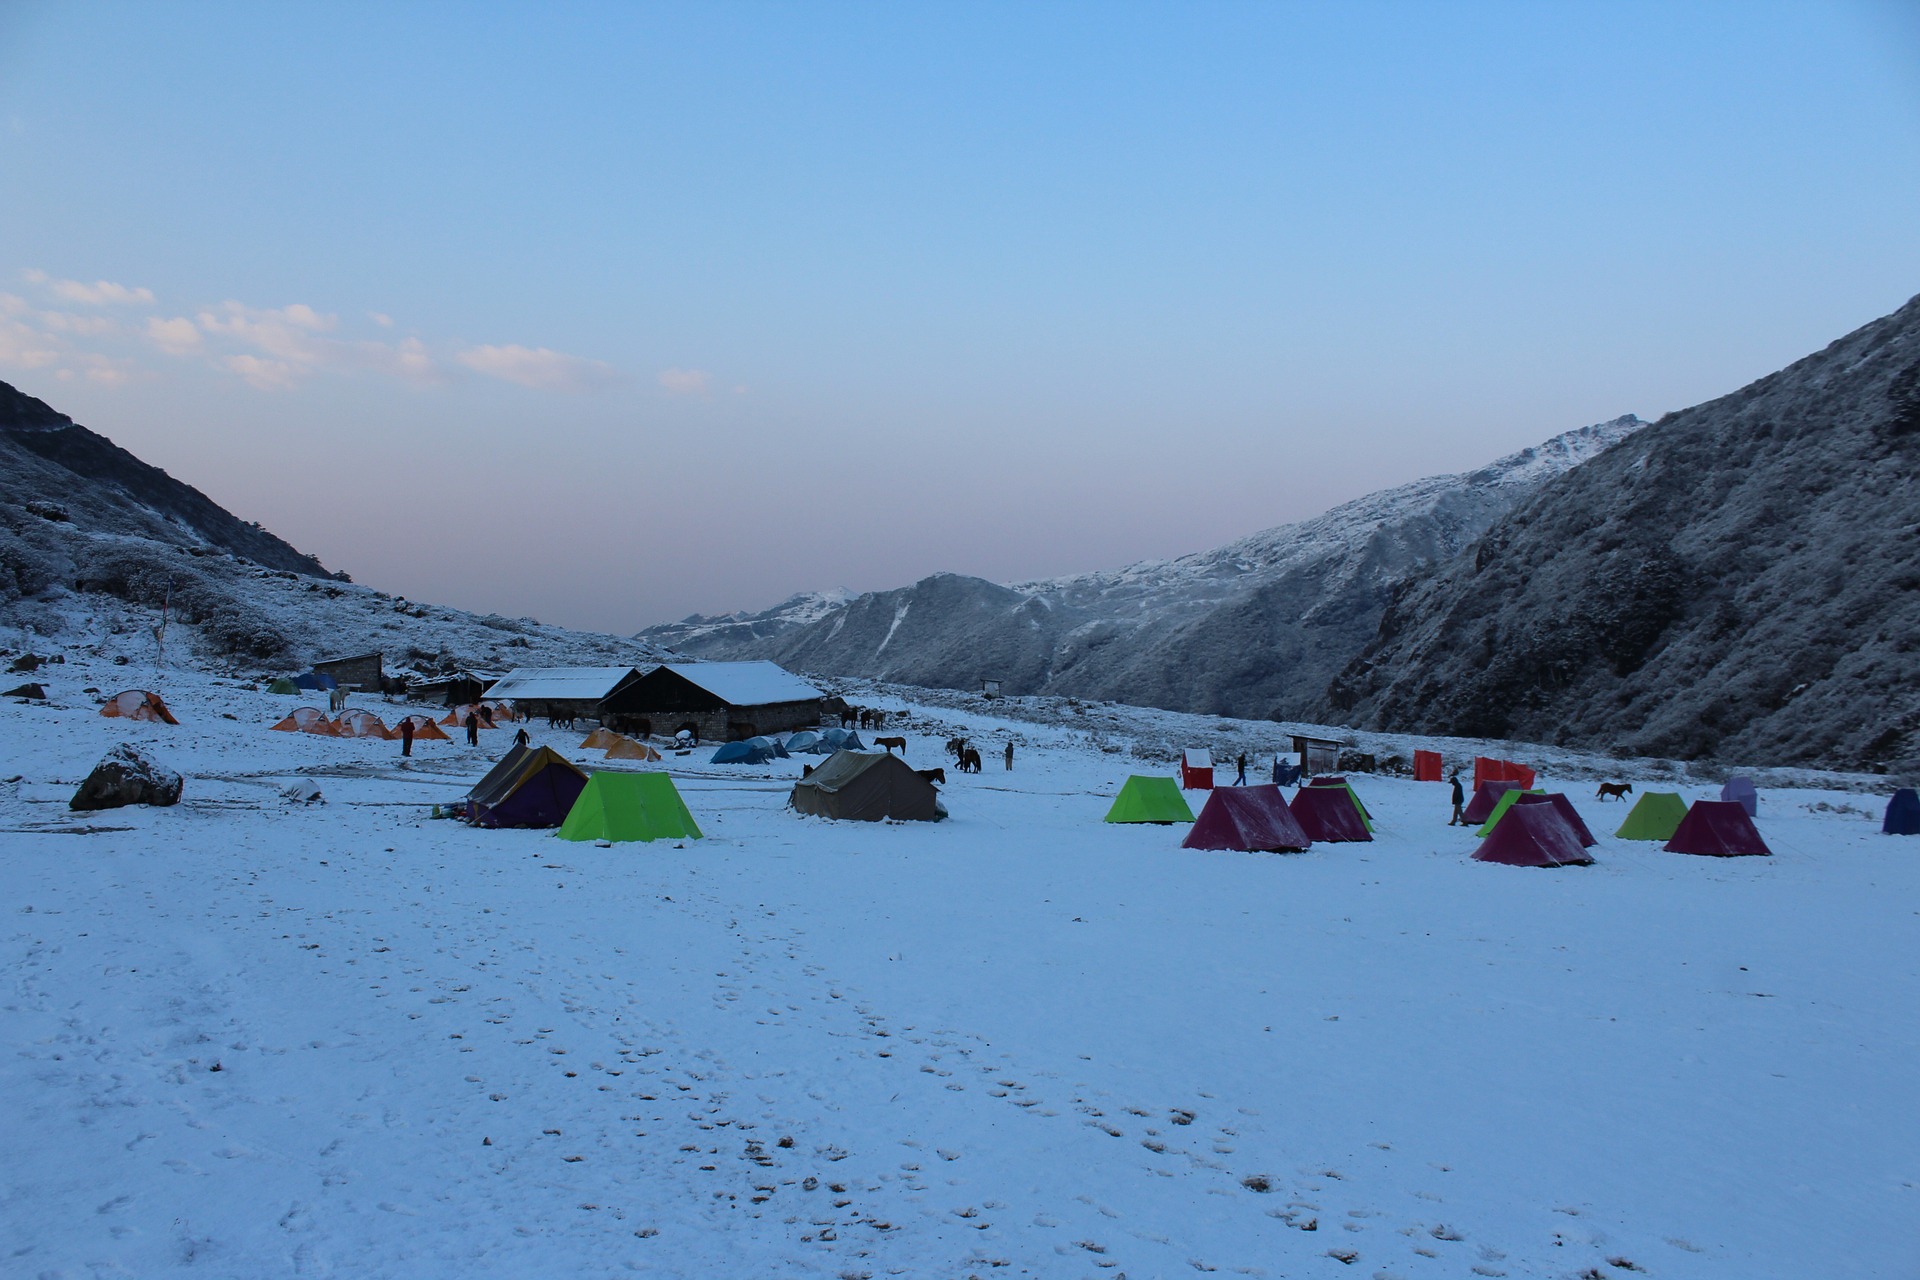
(522, 738)
(1009, 757)
(473, 729)
(406, 736)
(1459, 818)
(486, 717)
(1240, 779)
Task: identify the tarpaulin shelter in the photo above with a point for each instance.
(1656, 815)
(307, 720)
(359, 724)
(1149, 799)
(138, 704)
(1253, 819)
(1533, 835)
(1507, 800)
(282, 685)
(741, 753)
(1196, 769)
(530, 787)
(1742, 792)
(1427, 766)
(867, 787)
(808, 742)
(1719, 828)
(600, 739)
(1903, 814)
(1566, 810)
(313, 681)
(1486, 769)
(629, 806)
(1485, 796)
(628, 749)
(1328, 813)
(424, 729)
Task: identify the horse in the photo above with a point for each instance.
(956, 747)
(879, 719)
(1613, 790)
(969, 761)
(933, 775)
(891, 743)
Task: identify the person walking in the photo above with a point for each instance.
(1459, 818)
(1240, 779)
(406, 736)
(1009, 756)
(473, 729)
(522, 738)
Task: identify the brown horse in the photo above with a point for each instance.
(933, 775)
(1614, 790)
(891, 743)
(969, 761)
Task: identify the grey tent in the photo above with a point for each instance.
(810, 743)
(843, 739)
(867, 787)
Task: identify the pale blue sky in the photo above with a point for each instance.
(610, 313)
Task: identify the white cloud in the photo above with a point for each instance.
(687, 382)
(24, 347)
(84, 326)
(101, 293)
(268, 375)
(381, 318)
(539, 368)
(177, 337)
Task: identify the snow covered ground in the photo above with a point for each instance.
(253, 1039)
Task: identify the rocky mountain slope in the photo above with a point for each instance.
(1741, 580)
(1255, 628)
(48, 460)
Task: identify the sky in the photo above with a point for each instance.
(607, 314)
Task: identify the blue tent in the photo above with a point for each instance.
(313, 680)
(843, 739)
(1741, 791)
(741, 753)
(769, 745)
(1903, 814)
(809, 743)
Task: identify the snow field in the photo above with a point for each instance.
(1020, 1042)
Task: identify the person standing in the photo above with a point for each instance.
(406, 736)
(521, 738)
(1240, 779)
(1009, 755)
(1459, 818)
(473, 729)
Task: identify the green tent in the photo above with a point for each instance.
(1145, 799)
(1366, 819)
(1655, 816)
(1500, 808)
(283, 685)
(629, 806)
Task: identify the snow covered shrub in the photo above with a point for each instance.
(27, 567)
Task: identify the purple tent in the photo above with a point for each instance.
(1566, 810)
(1720, 828)
(1247, 818)
(1328, 813)
(1485, 796)
(1741, 791)
(534, 788)
(1533, 835)
(1903, 814)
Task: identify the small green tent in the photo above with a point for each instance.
(1144, 799)
(1655, 816)
(283, 685)
(629, 806)
(1500, 808)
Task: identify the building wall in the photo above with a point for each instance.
(363, 672)
(727, 724)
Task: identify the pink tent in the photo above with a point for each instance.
(1720, 828)
(1567, 811)
(1329, 814)
(1485, 796)
(1533, 835)
(1247, 818)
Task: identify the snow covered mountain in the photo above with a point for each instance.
(1255, 628)
(1741, 580)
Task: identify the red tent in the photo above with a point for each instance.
(1485, 796)
(1328, 813)
(1426, 766)
(1718, 827)
(1486, 769)
(1248, 818)
(1567, 811)
(1533, 835)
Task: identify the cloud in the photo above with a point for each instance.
(539, 368)
(381, 318)
(84, 326)
(291, 343)
(24, 347)
(268, 375)
(177, 337)
(101, 293)
(687, 382)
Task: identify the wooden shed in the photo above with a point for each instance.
(716, 701)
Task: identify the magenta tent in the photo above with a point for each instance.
(1565, 808)
(1329, 814)
(1251, 819)
(1718, 828)
(1485, 796)
(1534, 835)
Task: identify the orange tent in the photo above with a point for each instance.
(424, 729)
(307, 720)
(600, 739)
(502, 710)
(457, 717)
(138, 704)
(360, 724)
(628, 749)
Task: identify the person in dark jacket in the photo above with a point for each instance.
(522, 738)
(1009, 757)
(406, 736)
(1240, 779)
(1459, 818)
(473, 729)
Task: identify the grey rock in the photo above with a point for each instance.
(126, 776)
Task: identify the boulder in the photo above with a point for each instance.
(124, 777)
(26, 691)
(28, 662)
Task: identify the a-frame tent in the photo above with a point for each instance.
(1252, 819)
(1656, 815)
(629, 806)
(1485, 796)
(1718, 828)
(1329, 813)
(1500, 807)
(1533, 835)
(530, 787)
(1149, 798)
(1566, 810)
